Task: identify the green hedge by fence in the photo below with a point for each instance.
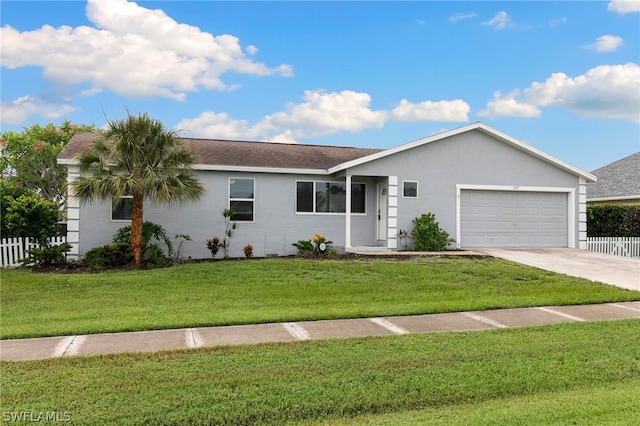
(613, 221)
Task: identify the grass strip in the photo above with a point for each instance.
(278, 290)
(601, 405)
(332, 380)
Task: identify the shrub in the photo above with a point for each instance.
(8, 193)
(214, 245)
(317, 245)
(108, 256)
(47, 256)
(248, 251)
(427, 234)
(31, 216)
(182, 238)
(151, 253)
(613, 221)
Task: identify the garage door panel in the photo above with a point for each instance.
(513, 219)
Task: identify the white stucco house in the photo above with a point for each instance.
(486, 188)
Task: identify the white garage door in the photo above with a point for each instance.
(513, 219)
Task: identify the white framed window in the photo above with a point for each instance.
(409, 189)
(123, 209)
(242, 199)
(329, 197)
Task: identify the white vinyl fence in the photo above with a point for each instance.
(627, 246)
(12, 250)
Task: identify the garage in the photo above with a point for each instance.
(493, 218)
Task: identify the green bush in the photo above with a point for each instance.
(427, 234)
(151, 253)
(613, 221)
(31, 216)
(108, 256)
(47, 256)
(8, 193)
(318, 245)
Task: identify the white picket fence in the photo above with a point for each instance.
(12, 250)
(619, 246)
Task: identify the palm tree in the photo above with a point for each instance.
(137, 157)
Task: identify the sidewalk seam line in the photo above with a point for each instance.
(296, 331)
(389, 325)
(62, 347)
(485, 320)
(562, 314)
(193, 338)
(624, 307)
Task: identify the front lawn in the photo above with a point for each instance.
(278, 290)
(577, 373)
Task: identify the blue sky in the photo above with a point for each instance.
(563, 76)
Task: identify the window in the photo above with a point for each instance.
(329, 197)
(122, 210)
(409, 189)
(241, 196)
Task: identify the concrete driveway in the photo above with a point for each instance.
(620, 271)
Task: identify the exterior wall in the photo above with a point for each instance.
(276, 224)
(471, 158)
(441, 167)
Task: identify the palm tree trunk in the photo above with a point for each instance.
(136, 228)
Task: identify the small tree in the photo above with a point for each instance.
(32, 216)
(229, 230)
(137, 156)
(427, 234)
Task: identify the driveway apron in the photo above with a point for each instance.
(620, 271)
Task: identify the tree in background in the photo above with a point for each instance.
(137, 157)
(29, 159)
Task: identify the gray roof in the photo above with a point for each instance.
(620, 179)
(215, 152)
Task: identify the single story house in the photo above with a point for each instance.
(486, 189)
(618, 183)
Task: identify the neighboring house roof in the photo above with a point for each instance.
(619, 180)
(215, 154)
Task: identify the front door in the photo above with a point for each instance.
(382, 211)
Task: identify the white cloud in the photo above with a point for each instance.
(461, 16)
(499, 22)
(624, 6)
(507, 105)
(133, 51)
(456, 110)
(322, 113)
(606, 91)
(19, 110)
(606, 43)
(217, 126)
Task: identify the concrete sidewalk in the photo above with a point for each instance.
(150, 341)
(620, 271)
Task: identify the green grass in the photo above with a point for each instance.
(275, 290)
(606, 405)
(535, 375)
